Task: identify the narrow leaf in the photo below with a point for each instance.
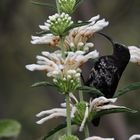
(43, 83)
(43, 4)
(114, 110)
(130, 87)
(43, 32)
(55, 130)
(78, 2)
(91, 90)
(9, 128)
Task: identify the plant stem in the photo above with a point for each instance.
(81, 94)
(62, 47)
(86, 130)
(57, 5)
(68, 115)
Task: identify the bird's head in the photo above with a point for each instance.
(121, 52)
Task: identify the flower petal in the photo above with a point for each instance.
(134, 54)
(98, 138)
(100, 102)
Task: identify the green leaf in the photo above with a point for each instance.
(43, 83)
(91, 90)
(43, 4)
(9, 128)
(41, 33)
(130, 87)
(114, 110)
(55, 130)
(68, 137)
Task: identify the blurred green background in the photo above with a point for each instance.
(19, 19)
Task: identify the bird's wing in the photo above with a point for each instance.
(104, 75)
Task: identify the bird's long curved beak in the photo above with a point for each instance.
(107, 37)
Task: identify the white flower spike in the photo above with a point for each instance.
(48, 39)
(98, 138)
(134, 54)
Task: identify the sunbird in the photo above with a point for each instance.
(107, 71)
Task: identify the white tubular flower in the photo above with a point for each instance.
(51, 64)
(78, 37)
(134, 54)
(73, 97)
(135, 137)
(102, 103)
(54, 113)
(48, 39)
(75, 59)
(98, 138)
(85, 118)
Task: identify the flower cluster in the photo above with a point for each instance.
(65, 71)
(77, 39)
(81, 111)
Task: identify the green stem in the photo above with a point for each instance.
(86, 130)
(68, 115)
(81, 94)
(62, 47)
(57, 5)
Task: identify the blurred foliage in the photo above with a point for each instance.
(19, 19)
(9, 128)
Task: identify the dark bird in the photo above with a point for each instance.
(107, 71)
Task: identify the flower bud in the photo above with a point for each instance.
(59, 23)
(67, 6)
